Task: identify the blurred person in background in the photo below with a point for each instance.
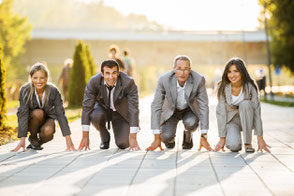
(129, 63)
(114, 54)
(261, 81)
(64, 78)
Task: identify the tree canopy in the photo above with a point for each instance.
(92, 66)
(281, 30)
(3, 108)
(14, 32)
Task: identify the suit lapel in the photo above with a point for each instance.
(173, 88)
(104, 92)
(188, 88)
(117, 89)
(246, 91)
(228, 93)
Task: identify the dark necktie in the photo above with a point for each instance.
(109, 116)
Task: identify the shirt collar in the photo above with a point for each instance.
(43, 98)
(107, 84)
(178, 85)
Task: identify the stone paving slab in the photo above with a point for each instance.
(176, 172)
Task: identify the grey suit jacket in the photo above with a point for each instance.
(225, 111)
(165, 99)
(53, 109)
(125, 98)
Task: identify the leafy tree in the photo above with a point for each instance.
(7, 133)
(3, 108)
(78, 75)
(92, 65)
(281, 30)
(14, 32)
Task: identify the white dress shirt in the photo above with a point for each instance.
(236, 100)
(181, 100)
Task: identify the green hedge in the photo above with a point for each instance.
(3, 101)
(83, 69)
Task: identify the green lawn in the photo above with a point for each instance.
(73, 113)
(279, 103)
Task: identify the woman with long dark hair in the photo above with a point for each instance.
(40, 104)
(238, 109)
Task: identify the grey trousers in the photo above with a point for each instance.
(169, 128)
(242, 121)
(120, 126)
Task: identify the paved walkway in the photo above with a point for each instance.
(174, 172)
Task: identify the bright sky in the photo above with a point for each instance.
(194, 14)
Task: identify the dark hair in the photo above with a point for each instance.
(109, 63)
(126, 53)
(240, 65)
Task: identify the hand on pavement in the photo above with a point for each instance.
(85, 141)
(21, 144)
(155, 144)
(133, 142)
(220, 145)
(69, 145)
(204, 143)
(262, 145)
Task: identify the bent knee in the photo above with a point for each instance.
(47, 131)
(234, 147)
(96, 117)
(191, 125)
(38, 114)
(46, 139)
(122, 145)
(46, 136)
(166, 137)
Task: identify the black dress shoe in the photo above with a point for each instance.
(170, 145)
(235, 150)
(34, 142)
(104, 145)
(30, 146)
(187, 140)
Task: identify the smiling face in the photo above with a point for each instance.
(234, 75)
(39, 80)
(110, 75)
(182, 70)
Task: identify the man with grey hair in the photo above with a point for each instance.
(180, 95)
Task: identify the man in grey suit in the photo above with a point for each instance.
(111, 96)
(180, 95)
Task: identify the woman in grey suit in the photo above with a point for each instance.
(40, 104)
(238, 109)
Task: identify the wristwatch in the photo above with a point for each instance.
(204, 136)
